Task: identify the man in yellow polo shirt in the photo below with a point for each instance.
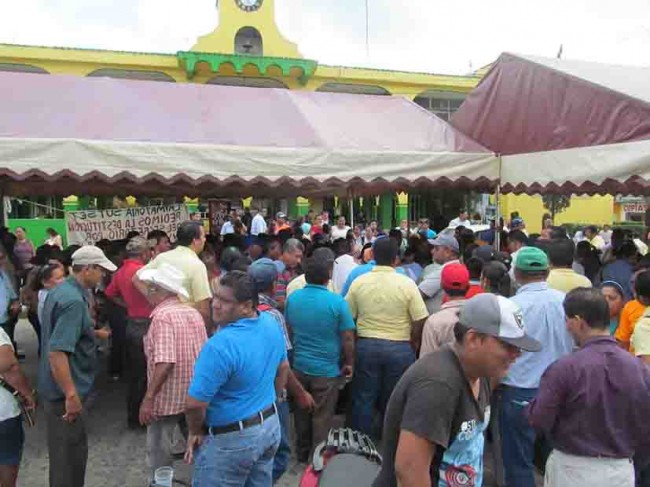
(562, 276)
(390, 313)
(190, 241)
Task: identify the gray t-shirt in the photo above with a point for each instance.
(434, 400)
(431, 285)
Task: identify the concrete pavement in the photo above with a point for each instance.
(117, 455)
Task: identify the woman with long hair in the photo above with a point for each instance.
(615, 297)
(495, 279)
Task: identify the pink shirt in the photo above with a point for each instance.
(176, 336)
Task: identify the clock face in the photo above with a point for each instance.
(249, 5)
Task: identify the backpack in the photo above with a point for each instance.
(347, 458)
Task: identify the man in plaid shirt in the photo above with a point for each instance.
(288, 268)
(172, 344)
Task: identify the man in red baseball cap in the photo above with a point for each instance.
(439, 327)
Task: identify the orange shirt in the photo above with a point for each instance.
(629, 316)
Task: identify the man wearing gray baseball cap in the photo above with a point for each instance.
(69, 365)
(436, 418)
(445, 251)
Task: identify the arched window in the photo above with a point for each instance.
(248, 81)
(442, 103)
(248, 40)
(21, 68)
(352, 88)
(131, 74)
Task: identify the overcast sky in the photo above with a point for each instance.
(414, 35)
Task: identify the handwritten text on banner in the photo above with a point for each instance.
(87, 227)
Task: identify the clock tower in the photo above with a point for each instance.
(247, 27)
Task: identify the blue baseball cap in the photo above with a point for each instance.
(264, 273)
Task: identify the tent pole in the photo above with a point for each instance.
(4, 215)
(497, 217)
(351, 211)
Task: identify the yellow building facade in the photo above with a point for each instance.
(247, 49)
(596, 210)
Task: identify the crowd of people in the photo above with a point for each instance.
(430, 343)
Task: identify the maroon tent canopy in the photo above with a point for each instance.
(565, 126)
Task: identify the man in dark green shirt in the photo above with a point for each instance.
(68, 365)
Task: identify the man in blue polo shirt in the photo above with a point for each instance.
(322, 328)
(546, 322)
(231, 411)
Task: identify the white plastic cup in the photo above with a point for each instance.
(163, 477)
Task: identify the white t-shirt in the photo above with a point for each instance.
(457, 222)
(339, 232)
(258, 225)
(227, 228)
(55, 241)
(9, 407)
(578, 237)
(513, 258)
(597, 242)
(606, 235)
(343, 265)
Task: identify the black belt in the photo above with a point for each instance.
(243, 424)
(140, 321)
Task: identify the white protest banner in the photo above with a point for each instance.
(87, 227)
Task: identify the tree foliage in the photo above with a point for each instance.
(556, 203)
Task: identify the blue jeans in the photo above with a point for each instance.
(517, 436)
(283, 455)
(379, 365)
(241, 458)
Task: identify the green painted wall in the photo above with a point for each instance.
(36, 228)
(401, 213)
(292, 208)
(386, 203)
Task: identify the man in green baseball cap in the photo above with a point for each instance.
(531, 260)
(543, 316)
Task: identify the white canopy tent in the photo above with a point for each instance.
(70, 135)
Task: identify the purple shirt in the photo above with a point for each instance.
(24, 251)
(594, 402)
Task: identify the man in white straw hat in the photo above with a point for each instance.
(69, 365)
(171, 345)
(190, 241)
